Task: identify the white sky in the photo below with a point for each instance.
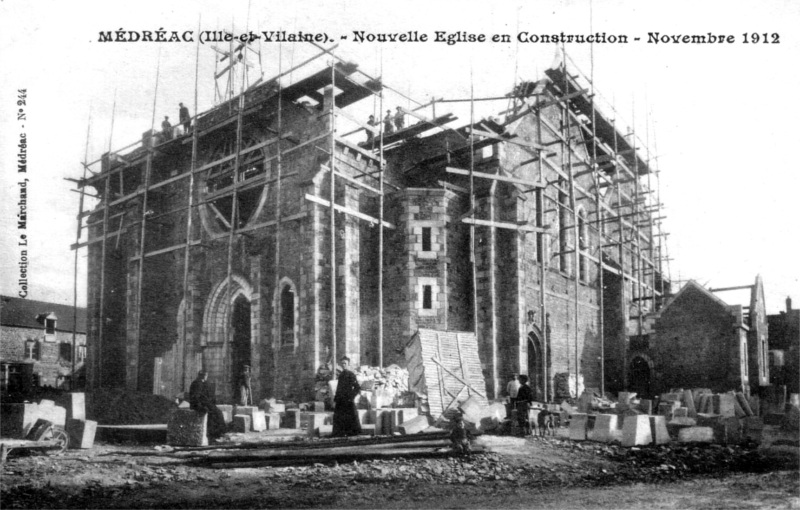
(722, 117)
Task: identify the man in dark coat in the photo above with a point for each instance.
(345, 416)
(524, 398)
(202, 400)
(184, 117)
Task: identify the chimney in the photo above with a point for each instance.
(788, 304)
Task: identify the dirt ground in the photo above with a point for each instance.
(510, 473)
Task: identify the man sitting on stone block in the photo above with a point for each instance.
(202, 400)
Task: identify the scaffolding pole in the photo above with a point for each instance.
(541, 249)
(187, 296)
(143, 237)
(566, 136)
(333, 214)
(73, 381)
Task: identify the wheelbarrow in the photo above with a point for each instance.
(43, 437)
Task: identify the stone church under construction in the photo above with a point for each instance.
(216, 246)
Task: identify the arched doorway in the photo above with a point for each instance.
(640, 377)
(241, 349)
(536, 366)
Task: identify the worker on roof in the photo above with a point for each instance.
(185, 118)
(399, 119)
(388, 123)
(166, 128)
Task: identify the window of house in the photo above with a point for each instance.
(50, 326)
(287, 315)
(32, 349)
(427, 297)
(81, 354)
(426, 238)
(65, 351)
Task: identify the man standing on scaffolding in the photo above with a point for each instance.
(185, 118)
(388, 123)
(399, 119)
(166, 129)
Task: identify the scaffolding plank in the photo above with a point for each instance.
(347, 210)
(482, 175)
(502, 224)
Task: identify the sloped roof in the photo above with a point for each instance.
(24, 312)
(691, 284)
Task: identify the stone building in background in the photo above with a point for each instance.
(36, 344)
(784, 348)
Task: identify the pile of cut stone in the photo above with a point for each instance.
(687, 416)
(29, 420)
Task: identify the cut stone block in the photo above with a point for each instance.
(408, 413)
(16, 420)
(737, 409)
(389, 425)
(723, 405)
(681, 412)
(794, 400)
(81, 433)
(636, 431)
(625, 397)
(187, 428)
(688, 400)
(318, 407)
(272, 421)
(363, 416)
(728, 431)
(577, 426)
(745, 405)
(246, 410)
(568, 408)
(683, 421)
(53, 413)
(670, 397)
(376, 418)
(368, 429)
(75, 404)
(414, 425)
(184, 405)
(258, 422)
(241, 423)
(646, 406)
(313, 420)
(707, 420)
(605, 425)
(227, 412)
(325, 431)
(696, 435)
(658, 429)
(272, 406)
(291, 419)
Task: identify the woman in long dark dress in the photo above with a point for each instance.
(345, 416)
